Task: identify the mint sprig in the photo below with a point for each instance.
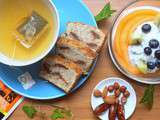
(58, 112)
(30, 111)
(61, 113)
(106, 12)
(148, 96)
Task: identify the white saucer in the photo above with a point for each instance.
(129, 106)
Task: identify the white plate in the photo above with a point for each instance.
(129, 106)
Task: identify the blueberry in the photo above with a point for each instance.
(151, 65)
(153, 43)
(158, 63)
(146, 28)
(157, 54)
(147, 50)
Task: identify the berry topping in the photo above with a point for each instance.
(146, 28)
(157, 54)
(147, 50)
(153, 43)
(158, 63)
(151, 65)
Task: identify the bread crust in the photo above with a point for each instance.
(77, 44)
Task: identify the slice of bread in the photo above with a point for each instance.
(61, 72)
(92, 36)
(76, 51)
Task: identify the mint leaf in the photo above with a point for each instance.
(106, 12)
(68, 113)
(148, 96)
(57, 113)
(61, 113)
(30, 111)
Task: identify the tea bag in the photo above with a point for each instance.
(30, 29)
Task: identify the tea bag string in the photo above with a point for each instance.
(13, 56)
(14, 50)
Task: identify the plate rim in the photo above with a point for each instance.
(76, 87)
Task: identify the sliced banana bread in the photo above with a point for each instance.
(92, 36)
(61, 72)
(76, 51)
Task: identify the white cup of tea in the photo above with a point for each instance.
(14, 62)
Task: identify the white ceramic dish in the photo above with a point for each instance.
(135, 5)
(129, 106)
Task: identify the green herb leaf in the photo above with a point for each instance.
(106, 12)
(61, 113)
(30, 111)
(147, 99)
(68, 113)
(57, 113)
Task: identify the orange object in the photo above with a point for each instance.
(124, 31)
(7, 98)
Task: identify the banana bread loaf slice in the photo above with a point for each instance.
(61, 72)
(76, 51)
(92, 36)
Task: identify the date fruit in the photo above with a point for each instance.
(123, 89)
(117, 93)
(110, 88)
(120, 112)
(101, 108)
(126, 93)
(116, 85)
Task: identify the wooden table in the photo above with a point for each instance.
(79, 102)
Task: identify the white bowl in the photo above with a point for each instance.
(12, 62)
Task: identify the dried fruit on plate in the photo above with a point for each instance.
(123, 100)
(117, 93)
(110, 99)
(97, 93)
(101, 108)
(126, 93)
(113, 111)
(123, 89)
(110, 88)
(116, 85)
(120, 112)
(105, 92)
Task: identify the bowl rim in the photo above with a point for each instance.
(113, 58)
(11, 62)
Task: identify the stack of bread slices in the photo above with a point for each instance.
(76, 51)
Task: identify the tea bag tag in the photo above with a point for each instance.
(26, 80)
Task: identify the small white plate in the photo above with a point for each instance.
(129, 106)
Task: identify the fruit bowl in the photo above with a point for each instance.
(132, 22)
